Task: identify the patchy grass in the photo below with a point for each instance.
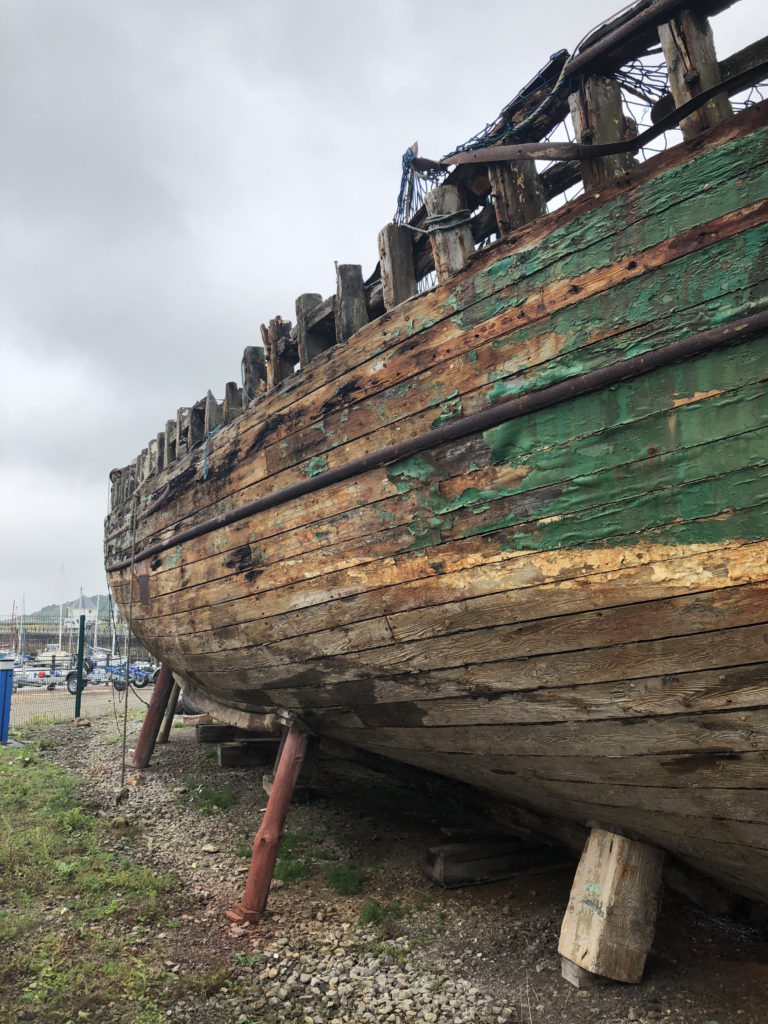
(384, 916)
(345, 879)
(68, 902)
(207, 799)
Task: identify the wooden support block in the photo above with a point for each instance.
(161, 451)
(578, 977)
(598, 118)
(280, 352)
(480, 861)
(689, 50)
(254, 371)
(219, 732)
(450, 233)
(246, 753)
(233, 402)
(518, 195)
(196, 433)
(311, 342)
(214, 413)
(608, 926)
(182, 431)
(152, 455)
(170, 442)
(351, 310)
(398, 277)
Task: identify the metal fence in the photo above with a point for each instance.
(44, 653)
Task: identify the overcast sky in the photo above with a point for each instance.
(176, 172)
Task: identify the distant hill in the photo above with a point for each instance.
(88, 602)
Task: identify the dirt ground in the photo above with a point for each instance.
(480, 954)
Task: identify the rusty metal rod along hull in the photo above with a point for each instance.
(501, 412)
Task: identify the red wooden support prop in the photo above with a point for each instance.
(267, 841)
(153, 719)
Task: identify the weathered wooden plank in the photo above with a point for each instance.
(351, 310)
(254, 372)
(689, 51)
(500, 389)
(598, 119)
(478, 861)
(196, 432)
(518, 196)
(170, 443)
(609, 923)
(398, 276)
(275, 438)
(450, 234)
(280, 353)
(214, 414)
(311, 341)
(684, 734)
(233, 402)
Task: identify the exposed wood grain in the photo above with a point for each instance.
(351, 310)
(609, 923)
(689, 51)
(597, 118)
(398, 277)
(450, 234)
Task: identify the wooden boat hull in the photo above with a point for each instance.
(567, 609)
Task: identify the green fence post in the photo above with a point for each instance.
(80, 646)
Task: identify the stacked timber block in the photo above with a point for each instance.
(238, 748)
(479, 861)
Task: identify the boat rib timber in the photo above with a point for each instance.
(566, 608)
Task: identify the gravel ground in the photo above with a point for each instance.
(478, 955)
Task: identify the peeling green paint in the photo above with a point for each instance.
(451, 409)
(472, 356)
(173, 558)
(315, 466)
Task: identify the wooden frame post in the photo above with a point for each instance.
(450, 234)
(518, 196)
(267, 841)
(608, 927)
(598, 118)
(254, 371)
(280, 353)
(350, 307)
(310, 342)
(689, 50)
(398, 277)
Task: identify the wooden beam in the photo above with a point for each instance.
(608, 926)
(182, 429)
(196, 433)
(482, 860)
(518, 196)
(170, 442)
(214, 413)
(161, 451)
(254, 371)
(598, 118)
(233, 402)
(311, 341)
(398, 276)
(737, 64)
(689, 50)
(279, 351)
(351, 311)
(450, 233)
